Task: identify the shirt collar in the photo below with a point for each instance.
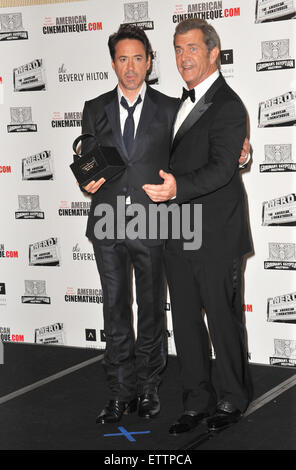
(141, 93)
(203, 87)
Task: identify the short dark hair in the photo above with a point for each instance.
(129, 31)
(211, 37)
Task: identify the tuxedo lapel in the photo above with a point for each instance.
(173, 126)
(199, 109)
(112, 112)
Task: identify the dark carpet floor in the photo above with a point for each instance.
(61, 414)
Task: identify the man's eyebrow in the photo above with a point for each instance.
(135, 55)
(189, 44)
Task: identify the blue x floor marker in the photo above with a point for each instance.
(127, 434)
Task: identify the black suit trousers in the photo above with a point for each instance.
(133, 366)
(213, 285)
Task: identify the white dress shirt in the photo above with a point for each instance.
(187, 105)
(137, 113)
(123, 114)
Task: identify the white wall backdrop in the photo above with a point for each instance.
(53, 57)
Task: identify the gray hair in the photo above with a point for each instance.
(211, 38)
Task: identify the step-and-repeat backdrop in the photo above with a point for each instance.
(53, 57)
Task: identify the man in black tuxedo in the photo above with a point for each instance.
(137, 120)
(209, 130)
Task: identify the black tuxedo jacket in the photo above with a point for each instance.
(204, 161)
(150, 151)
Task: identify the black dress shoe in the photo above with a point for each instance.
(149, 405)
(225, 415)
(113, 411)
(187, 423)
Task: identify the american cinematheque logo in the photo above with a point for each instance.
(7, 336)
(70, 119)
(21, 120)
(278, 158)
(282, 308)
(51, 334)
(70, 24)
(84, 295)
(281, 256)
(275, 56)
(278, 111)
(65, 77)
(44, 253)
(11, 27)
(203, 10)
(30, 77)
(35, 293)
(136, 13)
(29, 207)
(274, 10)
(38, 167)
(284, 353)
(280, 211)
(7, 253)
(74, 208)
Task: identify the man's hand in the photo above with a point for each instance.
(244, 152)
(93, 186)
(162, 192)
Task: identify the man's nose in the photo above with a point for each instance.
(130, 64)
(186, 55)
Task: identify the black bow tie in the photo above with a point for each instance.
(188, 93)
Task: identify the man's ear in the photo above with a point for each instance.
(214, 54)
(113, 65)
(149, 62)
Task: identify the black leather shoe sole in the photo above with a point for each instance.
(187, 423)
(222, 421)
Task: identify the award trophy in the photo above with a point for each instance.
(96, 162)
